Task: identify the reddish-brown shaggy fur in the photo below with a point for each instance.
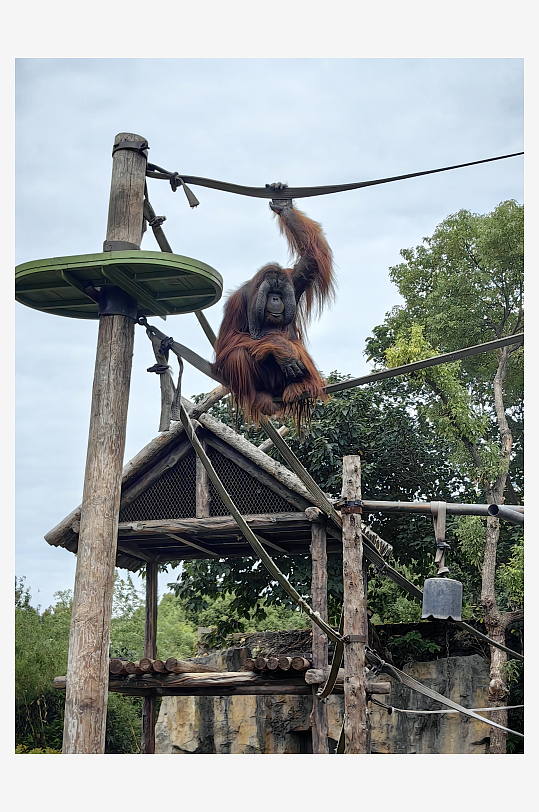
(252, 366)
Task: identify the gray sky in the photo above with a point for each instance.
(307, 122)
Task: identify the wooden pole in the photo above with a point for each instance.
(319, 591)
(150, 651)
(202, 488)
(89, 638)
(355, 612)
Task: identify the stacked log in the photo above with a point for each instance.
(146, 665)
(277, 664)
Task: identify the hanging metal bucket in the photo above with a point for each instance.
(442, 599)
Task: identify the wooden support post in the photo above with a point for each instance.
(89, 638)
(355, 613)
(319, 591)
(150, 651)
(202, 487)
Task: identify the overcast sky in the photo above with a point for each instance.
(307, 122)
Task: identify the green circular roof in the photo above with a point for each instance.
(163, 284)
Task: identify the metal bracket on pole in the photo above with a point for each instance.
(138, 146)
(349, 505)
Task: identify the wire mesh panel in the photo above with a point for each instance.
(171, 497)
(249, 495)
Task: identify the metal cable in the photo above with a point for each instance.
(412, 683)
(392, 708)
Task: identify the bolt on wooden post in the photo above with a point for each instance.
(89, 638)
(355, 613)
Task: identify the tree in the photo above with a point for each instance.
(464, 286)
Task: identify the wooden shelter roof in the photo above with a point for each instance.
(158, 511)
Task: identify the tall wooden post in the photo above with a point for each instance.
(150, 651)
(319, 591)
(354, 610)
(89, 638)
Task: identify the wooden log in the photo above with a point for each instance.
(354, 613)
(272, 663)
(268, 444)
(200, 528)
(285, 663)
(117, 666)
(159, 666)
(261, 663)
(319, 591)
(146, 665)
(133, 668)
(175, 666)
(300, 663)
(259, 686)
(248, 664)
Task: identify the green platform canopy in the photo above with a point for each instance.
(163, 284)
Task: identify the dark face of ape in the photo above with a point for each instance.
(272, 304)
(274, 308)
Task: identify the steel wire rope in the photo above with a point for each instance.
(412, 683)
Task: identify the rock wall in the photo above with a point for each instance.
(280, 724)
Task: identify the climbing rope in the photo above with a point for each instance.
(175, 180)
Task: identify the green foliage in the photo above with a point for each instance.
(413, 642)
(510, 576)
(470, 532)
(458, 291)
(20, 749)
(389, 603)
(41, 647)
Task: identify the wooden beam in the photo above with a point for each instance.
(319, 592)
(88, 658)
(242, 683)
(354, 612)
(267, 445)
(201, 528)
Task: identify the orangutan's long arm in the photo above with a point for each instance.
(313, 272)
